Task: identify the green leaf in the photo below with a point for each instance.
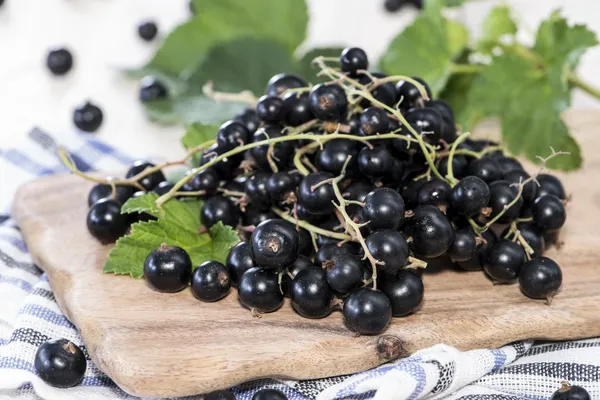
(427, 48)
(454, 3)
(195, 135)
(191, 108)
(223, 239)
(497, 24)
(309, 71)
(456, 93)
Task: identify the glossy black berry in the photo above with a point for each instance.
(269, 394)
(249, 119)
(219, 208)
(168, 269)
(384, 93)
(549, 184)
(476, 263)
(274, 244)
(444, 108)
(259, 290)
(508, 164)
(152, 89)
(328, 102)
(101, 191)
(226, 168)
(256, 190)
(431, 232)
(298, 111)
(301, 263)
(328, 251)
(59, 61)
(463, 247)
(210, 281)
(435, 192)
(409, 95)
(311, 295)
(281, 186)
(317, 200)
(219, 394)
(532, 235)
(239, 260)
(374, 120)
(502, 193)
(206, 180)
(334, 155)
(271, 109)
(150, 181)
(279, 83)
(549, 213)
(105, 221)
(504, 261)
(232, 134)
(529, 190)
(460, 166)
(367, 311)
(405, 292)
(282, 152)
(358, 190)
(470, 196)
(60, 363)
(88, 117)
(540, 278)
(389, 247)
(255, 215)
(344, 273)
(384, 209)
(376, 161)
(392, 6)
(147, 30)
(353, 59)
(571, 392)
(428, 122)
(163, 188)
(487, 169)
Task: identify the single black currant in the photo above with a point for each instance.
(392, 6)
(549, 213)
(219, 208)
(358, 190)
(470, 196)
(508, 164)
(328, 102)
(88, 117)
(334, 154)
(477, 262)
(253, 216)
(410, 193)
(227, 167)
(532, 235)
(344, 273)
(168, 269)
(269, 394)
(102, 191)
(549, 184)
(435, 192)
(464, 246)
(353, 59)
(59, 61)
(239, 260)
(384, 209)
(396, 173)
(60, 363)
(271, 109)
(274, 244)
(409, 95)
(147, 30)
(487, 169)
(255, 188)
(281, 187)
(152, 89)
(428, 122)
(530, 188)
(328, 251)
(367, 311)
(460, 166)
(311, 295)
(232, 134)
(389, 247)
(305, 246)
(431, 232)
(540, 278)
(105, 221)
(502, 193)
(374, 120)
(249, 119)
(150, 181)
(219, 394)
(443, 108)
(279, 83)
(259, 290)
(405, 292)
(282, 152)
(302, 262)
(210, 281)
(571, 392)
(316, 199)
(376, 161)
(163, 188)
(298, 109)
(504, 261)
(384, 93)
(206, 180)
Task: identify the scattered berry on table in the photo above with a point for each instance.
(168, 269)
(88, 117)
(540, 278)
(210, 281)
(60, 363)
(147, 30)
(105, 221)
(59, 61)
(367, 311)
(259, 290)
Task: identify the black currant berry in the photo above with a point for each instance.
(232, 134)
(502, 193)
(384, 209)
(255, 215)
(317, 200)
(328, 102)
(367, 311)
(428, 122)
(210, 281)
(269, 394)
(409, 95)
(311, 295)
(249, 119)
(375, 162)
(508, 164)
(405, 292)
(301, 263)
(549, 213)
(469, 196)
(344, 273)
(530, 188)
(374, 120)
(389, 247)
(549, 184)
(60, 363)
(477, 262)
(259, 290)
(271, 109)
(105, 221)
(239, 261)
(487, 169)
(384, 93)
(274, 244)
(219, 394)
(147, 30)
(460, 166)
(256, 189)
(282, 152)
(431, 232)
(463, 247)
(152, 89)
(540, 278)
(444, 108)
(334, 154)
(305, 246)
(101, 191)
(358, 190)
(281, 187)
(168, 269)
(279, 83)
(298, 109)
(504, 261)
(59, 61)
(150, 181)
(571, 392)
(393, 6)
(353, 59)
(435, 192)
(328, 251)
(226, 168)
(410, 193)
(219, 208)
(163, 188)
(206, 180)
(88, 117)
(532, 235)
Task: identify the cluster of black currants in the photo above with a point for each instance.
(342, 191)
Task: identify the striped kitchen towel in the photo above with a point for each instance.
(29, 316)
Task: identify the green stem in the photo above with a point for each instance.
(585, 86)
(309, 227)
(466, 68)
(458, 141)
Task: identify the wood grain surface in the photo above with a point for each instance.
(154, 344)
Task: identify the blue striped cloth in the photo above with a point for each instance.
(29, 316)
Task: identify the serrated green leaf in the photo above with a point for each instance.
(223, 239)
(190, 108)
(497, 24)
(309, 71)
(426, 48)
(141, 204)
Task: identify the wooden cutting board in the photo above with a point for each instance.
(154, 344)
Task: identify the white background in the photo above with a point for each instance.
(102, 36)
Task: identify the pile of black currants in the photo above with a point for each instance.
(342, 193)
